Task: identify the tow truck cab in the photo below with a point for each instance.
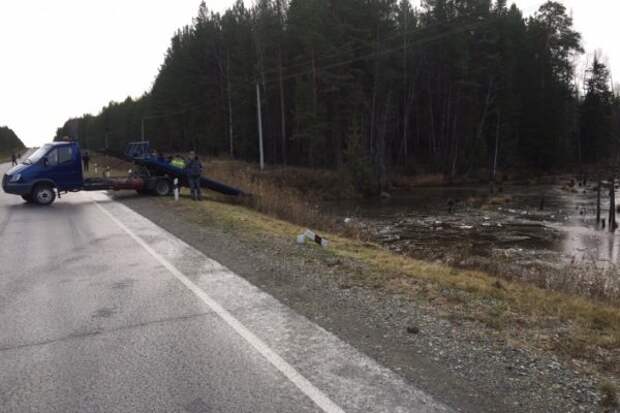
(53, 167)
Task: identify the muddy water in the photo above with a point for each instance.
(463, 225)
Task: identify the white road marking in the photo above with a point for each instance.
(317, 396)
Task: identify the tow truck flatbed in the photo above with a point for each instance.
(56, 168)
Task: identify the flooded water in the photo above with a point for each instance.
(468, 227)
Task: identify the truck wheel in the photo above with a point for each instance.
(43, 194)
(28, 198)
(163, 187)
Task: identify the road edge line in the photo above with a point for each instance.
(304, 385)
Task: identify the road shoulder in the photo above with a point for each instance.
(461, 364)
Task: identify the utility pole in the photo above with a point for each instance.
(260, 126)
(612, 205)
(405, 86)
(282, 104)
(230, 112)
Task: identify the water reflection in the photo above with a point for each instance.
(591, 246)
(513, 225)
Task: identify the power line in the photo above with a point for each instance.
(415, 30)
(373, 55)
(385, 52)
(170, 114)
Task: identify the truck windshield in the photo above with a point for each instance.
(38, 154)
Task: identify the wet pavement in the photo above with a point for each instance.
(102, 310)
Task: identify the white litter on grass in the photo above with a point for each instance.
(312, 236)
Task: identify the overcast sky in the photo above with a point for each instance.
(64, 58)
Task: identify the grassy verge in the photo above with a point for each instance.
(100, 163)
(289, 193)
(574, 327)
(5, 157)
(570, 326)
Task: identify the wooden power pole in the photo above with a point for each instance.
(260, 127)
(612, 205)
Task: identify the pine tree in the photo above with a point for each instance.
(597, 114)
(9, 142)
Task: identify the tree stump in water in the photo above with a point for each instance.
(598, 204)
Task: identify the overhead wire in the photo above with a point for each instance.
(384, 52)
(373, 55)
(395, 36)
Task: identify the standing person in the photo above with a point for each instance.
(86, 161)
(178, 162)
(13, 159)
(194, 173)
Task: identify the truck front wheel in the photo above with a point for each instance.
(43, 194)
(163, 187)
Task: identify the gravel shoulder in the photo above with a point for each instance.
(461, 362)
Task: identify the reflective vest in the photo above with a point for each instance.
(178, 163)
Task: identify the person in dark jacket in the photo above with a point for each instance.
(194, 173)
(13, 159)
(86, 161)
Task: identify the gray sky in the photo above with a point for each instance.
(64, 58)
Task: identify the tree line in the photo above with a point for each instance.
(9, 141)
(454, 86)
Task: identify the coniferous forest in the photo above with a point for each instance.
(9, 141)
(451, 87)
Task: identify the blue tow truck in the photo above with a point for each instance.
(56, 168)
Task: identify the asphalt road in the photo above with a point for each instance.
(103, 311)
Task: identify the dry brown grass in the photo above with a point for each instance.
(100, 163)
(568, 325)
(499, 200)
(284, 202)
(610, 397)
(5, 157)
(410, 182)
(292, 194)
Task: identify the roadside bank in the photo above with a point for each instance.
(462, 336)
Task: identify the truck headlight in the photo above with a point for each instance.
(15, 178)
